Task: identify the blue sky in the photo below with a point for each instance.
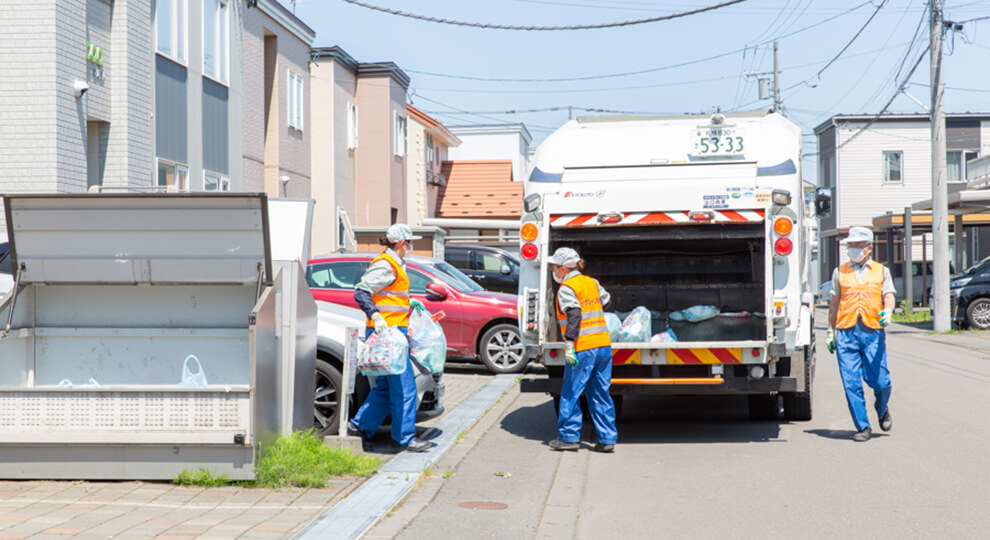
(678, 77)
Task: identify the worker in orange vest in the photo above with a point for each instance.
(861, 306)
(581, 304)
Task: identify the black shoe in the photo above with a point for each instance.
(886, 422)
(606, 448)
(560, 445)
(863, 436)
(417, 445)
(353, 430)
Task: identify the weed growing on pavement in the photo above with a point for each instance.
(460, 436)
(913, 317)
(448, 473)
(302, 460)
(200, 477)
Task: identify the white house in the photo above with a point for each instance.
(491, 142)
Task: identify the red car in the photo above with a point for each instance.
(478, 324)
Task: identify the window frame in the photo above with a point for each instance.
(311, 269)
(295, 100)
(399, 135)
(178, 31)
(183, 185)
(223, 182)
(352, 126)
(221, 43)
(886, 168)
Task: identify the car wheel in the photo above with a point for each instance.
(978, 314)
(501, 349)
(326, 400)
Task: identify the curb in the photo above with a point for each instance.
(367, 504)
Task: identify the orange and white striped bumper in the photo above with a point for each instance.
(657, 218)
(681, 356)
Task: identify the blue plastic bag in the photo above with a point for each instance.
(384, 353)
(190, 379)
(695, 314)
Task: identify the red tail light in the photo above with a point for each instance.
(529, 251)
(783, 246)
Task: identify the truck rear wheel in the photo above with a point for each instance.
(764, 406)
(797, 405)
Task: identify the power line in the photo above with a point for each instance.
(638, 72)
(851, 41)
(490, 26)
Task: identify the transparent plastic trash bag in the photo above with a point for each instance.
(190, 379)
(695, 314)
(637, 327)
(383, 353)
(614, 326)
(666, 336)
(427, 343)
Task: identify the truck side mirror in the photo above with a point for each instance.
(823, 202)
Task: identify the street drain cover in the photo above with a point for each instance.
(483, 505)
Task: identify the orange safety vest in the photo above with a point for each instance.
(392, 301)
(593, 331)
(860, 299)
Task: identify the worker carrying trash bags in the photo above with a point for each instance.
(581, 304)
(861, 306)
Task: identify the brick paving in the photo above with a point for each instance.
(65, 509)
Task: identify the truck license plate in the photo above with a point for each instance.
(718, 141)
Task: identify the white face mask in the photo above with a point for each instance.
(557, 278)
(856, 254)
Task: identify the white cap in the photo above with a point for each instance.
(565, 256)
(859, 234)
(400, 232)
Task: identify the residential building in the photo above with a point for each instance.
(496, 141)
(480, 203)
(429, 142)
(875, 165)
(276, 101)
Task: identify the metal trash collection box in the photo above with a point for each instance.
(113, 292)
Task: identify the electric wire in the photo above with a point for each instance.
(492, 26)
(853, 40)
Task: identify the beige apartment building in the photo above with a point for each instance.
(429, 141)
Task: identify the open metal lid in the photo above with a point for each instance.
(128, 238)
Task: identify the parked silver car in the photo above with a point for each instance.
(333, 320)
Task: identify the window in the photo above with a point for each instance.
(352, 126)
(170, 29)
(429, 151)
(458, 258)
(487, 262)
(173, 175)
(215, 182)
(215, 39)
(399, 137)
(295, 101)
(342, 275)
(955, 164)
(418, 282)
(892, 163)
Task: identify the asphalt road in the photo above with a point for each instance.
(693, 467)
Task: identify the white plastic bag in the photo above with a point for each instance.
(384, 353)
(190, 379)
(614, 324)
(637, 327)
(695, 314)
(427, 344)
(667, 336)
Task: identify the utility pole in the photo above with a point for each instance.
(776, 81)
(940, 194)
(570, 112)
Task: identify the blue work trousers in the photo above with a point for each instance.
(592, 375)
(862, 354)
(394, 394)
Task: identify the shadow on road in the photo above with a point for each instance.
(842, 434)
(468, 367)
(657, 419)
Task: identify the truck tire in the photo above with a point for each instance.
(501, 349)
(764, 406)
(797, 405)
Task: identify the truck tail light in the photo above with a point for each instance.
(529, 251)
(783, 226)
(783, 246)
(528, 232)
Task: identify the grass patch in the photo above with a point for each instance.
(302, 460)
(297, 460)
(200, 477)
(905, 316)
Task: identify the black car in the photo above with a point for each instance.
(969, 295)
(494, 269)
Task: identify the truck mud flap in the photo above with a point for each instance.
(714, 385)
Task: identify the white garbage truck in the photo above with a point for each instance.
(696, 218)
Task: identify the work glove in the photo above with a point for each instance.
(569, 355)
(830, 340)
(884, 318)
(417, 305)
(380, 324)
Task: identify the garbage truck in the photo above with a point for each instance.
(699, 219)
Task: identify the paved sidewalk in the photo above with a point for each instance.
(62, 509)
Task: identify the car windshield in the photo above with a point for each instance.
(455, 277)
(978, 267)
